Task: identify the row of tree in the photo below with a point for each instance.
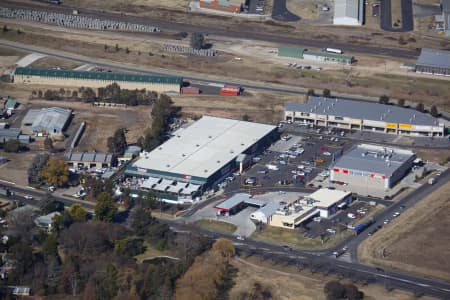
(419, 107)
(111, 94)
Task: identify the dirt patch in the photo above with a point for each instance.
(439, 156)
(286, 282)
(101, 123)
(418, 241)
(15, 170)
(218, 226)
(307, 10)
(53, 62)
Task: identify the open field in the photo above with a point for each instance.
(287, 282)
(53, 62)
(362, 79)
(439, 156)
(132, 6)
(417, 242)
(101, 123)
(15, 170)
(218, 226)
(296, 239)
(307, 10)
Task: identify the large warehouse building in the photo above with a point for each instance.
(372, 167)
(348, 12)
(46, 121)
(363, 116)
(435, 62)
(71, 78)
(201, 155)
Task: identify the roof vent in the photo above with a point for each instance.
(231, 151)
(206, 171)
(210, 136)
(242, 144)
(178, 136)
(168, 166)
(197, 145)
(218, 161)
(183, 155)
(160, 148)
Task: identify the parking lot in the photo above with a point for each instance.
(290, 163)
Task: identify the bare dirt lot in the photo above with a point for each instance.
(15, 170)
(284, 282)
(418, 241)
(101, 123)
(53, 62)
(305, 9)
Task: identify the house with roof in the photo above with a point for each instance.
(73, 78)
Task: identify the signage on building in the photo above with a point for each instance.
(405, 126)
(391, 125)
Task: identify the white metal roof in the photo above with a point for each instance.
(328, 197)
(204, 147)
(348, 12)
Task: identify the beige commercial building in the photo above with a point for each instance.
(160, 84)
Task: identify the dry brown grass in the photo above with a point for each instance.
(16, 169)
(53, 62)
(441, 156)
(396, 13)
(129, 5)
(304, 9)
(286, 282)
(370, 21)
(418, 241)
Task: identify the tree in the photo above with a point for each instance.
(383, 99)
(22, 254)
(77, 213)
(12, 146)
(352, 292)
(55, 172)
(420, 107)
(326, 93)
(224, 247)
(105, 209)
(401, 102)
(334, 290)
(117, 48)
(141, 219)
(246, 118)
(310, 92)
(433, 111)
(48, 144)
(50, 205)
(197, 40)
(108, 286)
(118, 142)
(50, 246)
(106, 47)
(5, 28)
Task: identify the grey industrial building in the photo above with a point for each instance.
(372, 166)
(363, 116)
(445, 17)
(435, 62)
(89, 159)
(7, 134)
(200, 156)
(47, 121)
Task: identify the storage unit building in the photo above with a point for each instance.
(204, 153)
(71, 78)
(372, 166)
(348, 12)
(363, 116)
(435, 62)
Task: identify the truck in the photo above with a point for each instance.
(363, 226)
(190, 90)
(333, 50)
(5, 192)
(432, 181)
(231, 90)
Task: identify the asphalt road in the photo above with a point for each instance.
(281, 13)
(251, 34)
(407, 16)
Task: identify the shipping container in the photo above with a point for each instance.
(190, 90)
(228, 92)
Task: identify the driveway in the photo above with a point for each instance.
(281, 13)
(407, 16)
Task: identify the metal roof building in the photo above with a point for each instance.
(205, 152)
(302, 53)
(372, 166)
(53, 120)
(7, 134)
(237, 202)
(348, 12)
(264, 213)
(436, 62)
(97, 79)
(89, 159)
(361, 115)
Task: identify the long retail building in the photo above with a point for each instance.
(72, 78)
(200, 156)
(372, 167)
(363, 116)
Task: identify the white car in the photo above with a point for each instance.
(28, 197)
(240, 237)
(351, 216)
(396, 214)
(300, 173)
(326, 153)
(300, 151)
(386, 222)
(301, 167)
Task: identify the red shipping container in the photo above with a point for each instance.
(228, 92)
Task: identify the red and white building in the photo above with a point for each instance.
(372, 166)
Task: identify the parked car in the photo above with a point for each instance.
(28, 197)
(240, 237)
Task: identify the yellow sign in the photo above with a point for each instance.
(405, 126)
(391, 125)
(356, 122)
